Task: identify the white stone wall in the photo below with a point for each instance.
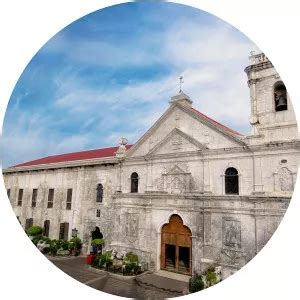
(181, 163)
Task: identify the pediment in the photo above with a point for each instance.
(176, 141)
(193, 131)
(176, 170)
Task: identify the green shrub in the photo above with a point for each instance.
(131, 258)
(210, 275)
(54, 246)
(131, 263)
(196, 283)
(98, 242)
(105, 259)
(131, 267)
(75, 244)
(96, 262)
(210, 269)
(211, 278)
(62, 244)
(45, 239)
(46, 250)
(36, 239)
(34, 231)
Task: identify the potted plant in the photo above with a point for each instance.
(34, 231)
(131, 264)
(105, 260)
(97, 245)
(196, 283)
(53, 247)
(75, 246)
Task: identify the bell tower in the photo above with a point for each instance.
(272, 115)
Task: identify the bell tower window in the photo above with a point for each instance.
(280, 96)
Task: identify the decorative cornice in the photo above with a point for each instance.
(258, 67)
(191, 195)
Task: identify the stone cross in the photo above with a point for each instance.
(180, 84)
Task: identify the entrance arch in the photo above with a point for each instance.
(176, 246)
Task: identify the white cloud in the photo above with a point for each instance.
(190, 44)
(211, 59)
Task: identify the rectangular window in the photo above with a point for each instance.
(50, 198)
(64, 231)
(28, 223)
(20, 197)
(69, 199)
(98, 213)
(34, 197)
(46, 228)
(8, 193)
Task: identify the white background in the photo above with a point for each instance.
(26, 25)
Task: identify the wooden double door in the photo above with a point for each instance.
(176, 246)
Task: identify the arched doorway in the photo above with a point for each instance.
(176, 246)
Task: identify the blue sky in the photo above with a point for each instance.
(112, 73)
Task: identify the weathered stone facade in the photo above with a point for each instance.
(181, 162)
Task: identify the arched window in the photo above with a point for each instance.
(134, 182)
(99, 193)
(231, 182)
(280, 96)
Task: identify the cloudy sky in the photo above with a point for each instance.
(112, 73)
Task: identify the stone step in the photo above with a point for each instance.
(163, 283)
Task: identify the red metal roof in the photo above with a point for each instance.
(90, 154)
(216, 123)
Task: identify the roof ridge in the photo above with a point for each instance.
(217, 123)
(73, 156)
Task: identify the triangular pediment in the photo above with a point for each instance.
(176, 141)
(197, 131)
(176, 170)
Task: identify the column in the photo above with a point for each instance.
(257, 176)
(149, 186)
(119, 186)
(206, 177)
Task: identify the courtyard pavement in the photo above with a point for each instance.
(145, 286)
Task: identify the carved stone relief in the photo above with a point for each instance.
(285, 180)
(231, 233)
(131, 228)
(176, 185)
(176, 180)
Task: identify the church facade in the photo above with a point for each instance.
(189, 193)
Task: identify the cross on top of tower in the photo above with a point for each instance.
(180, 84)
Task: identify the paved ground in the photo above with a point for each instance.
(162, 283)
(146, 286)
